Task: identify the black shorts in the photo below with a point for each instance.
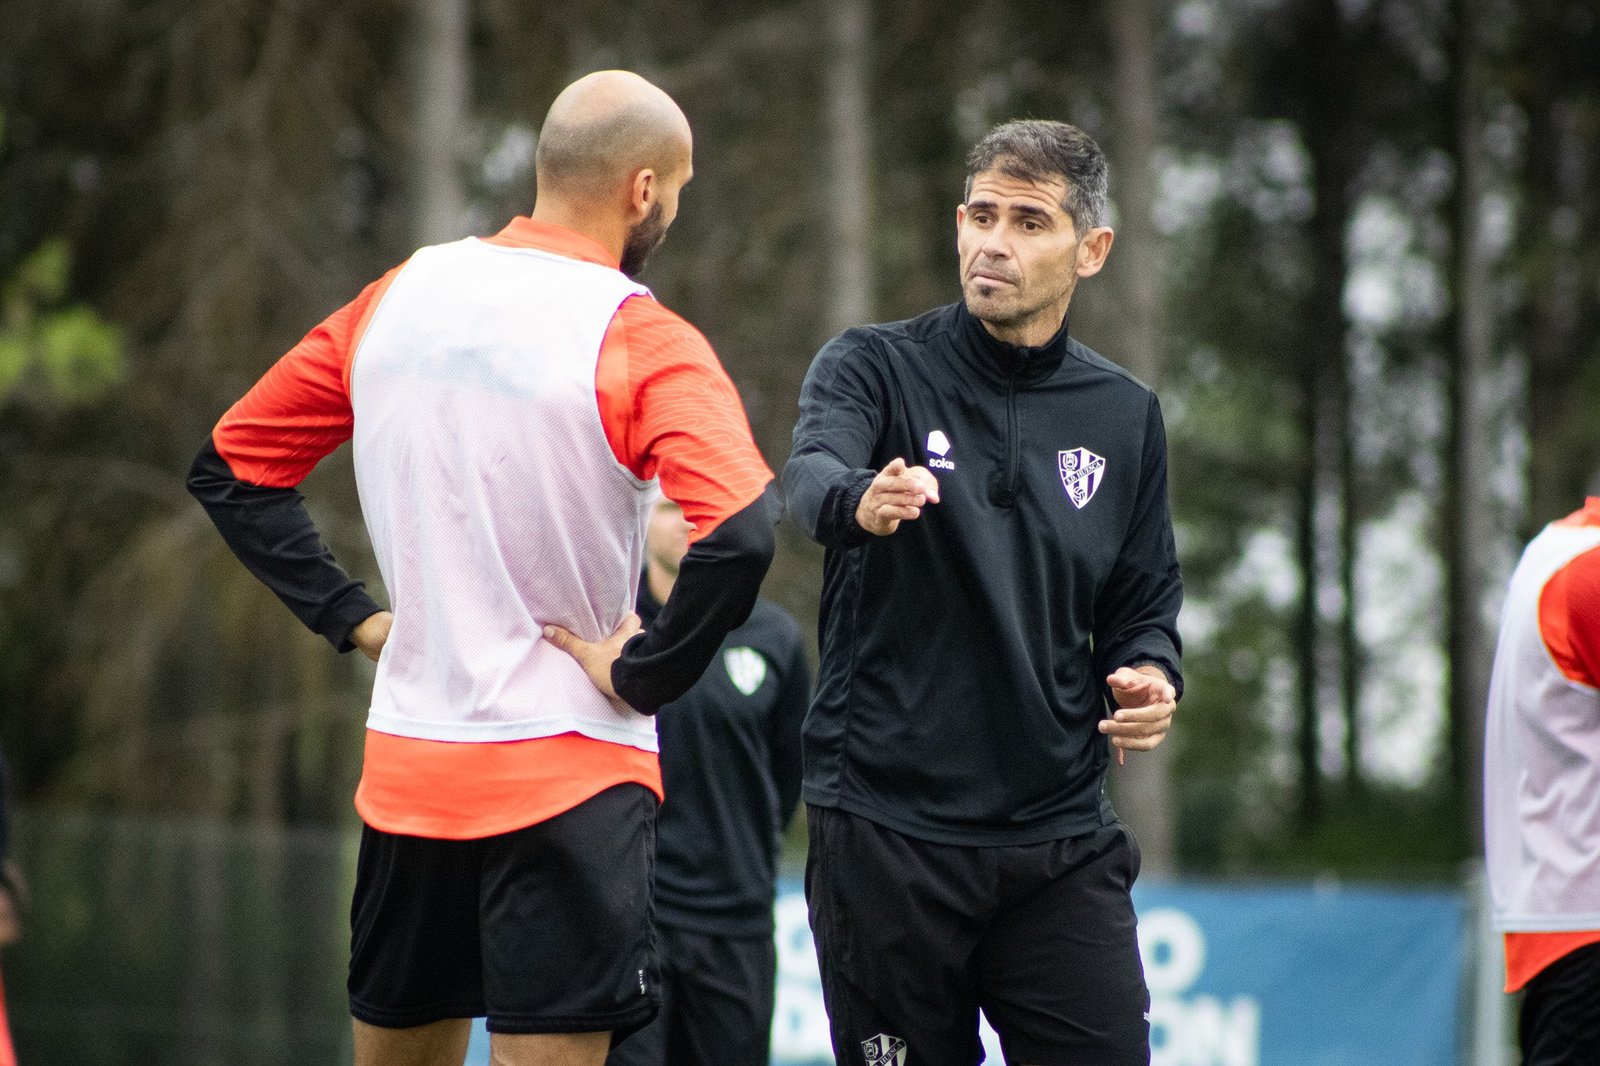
(1561, 1011)
(914, 937)
(716, 1003)
(545, 929)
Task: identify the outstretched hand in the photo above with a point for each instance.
(896, 495)
(1145, 703)
(596, 656)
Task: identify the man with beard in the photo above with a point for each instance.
(511, 402)
(1000, 574)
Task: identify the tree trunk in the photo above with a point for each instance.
(1562, 92)
(1325, 382)
(1351, 654)
(443, 71)
(1143, 788)
(1307, 738)
(1464, 523)
(848, 199)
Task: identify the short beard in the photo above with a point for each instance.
(642, 240)
(1011, 317)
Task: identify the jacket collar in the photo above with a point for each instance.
(1029, 365)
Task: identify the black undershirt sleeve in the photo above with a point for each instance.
(716, 587)
(271, 532)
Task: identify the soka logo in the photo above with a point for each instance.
(884, 1050)
(938, 448)
(1081, 473)
(747, 668)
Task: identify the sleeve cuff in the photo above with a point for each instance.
(1174, 678)
(850, 533)
(342, 616)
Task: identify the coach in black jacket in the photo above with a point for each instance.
(1000, 572)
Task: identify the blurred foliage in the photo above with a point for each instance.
(189, 185)
(58, 354)
(1383, 833)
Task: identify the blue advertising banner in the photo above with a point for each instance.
(1239, 976)
(1306, 976)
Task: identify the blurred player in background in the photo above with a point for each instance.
(730, 770)
(511, 401)
(1542, 789)
(1000, 570)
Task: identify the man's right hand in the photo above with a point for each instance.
(896, 495)
(372, 633)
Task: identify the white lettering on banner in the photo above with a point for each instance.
(1198, 1030)
(799, 1020)
(1173, 949)
(797, 958)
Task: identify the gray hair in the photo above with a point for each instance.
(1042, 150)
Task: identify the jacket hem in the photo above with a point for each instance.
(964, 836)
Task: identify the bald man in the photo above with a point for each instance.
(512, 402)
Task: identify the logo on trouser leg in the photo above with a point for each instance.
(884, 1050)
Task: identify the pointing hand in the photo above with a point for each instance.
(896, 495)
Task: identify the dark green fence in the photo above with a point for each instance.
(152, 942)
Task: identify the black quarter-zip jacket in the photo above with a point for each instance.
(963, 657)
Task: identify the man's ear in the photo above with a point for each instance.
(642, 193)
(1092, 251)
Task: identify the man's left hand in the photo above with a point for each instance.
(1145, 702)
(597, 656)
